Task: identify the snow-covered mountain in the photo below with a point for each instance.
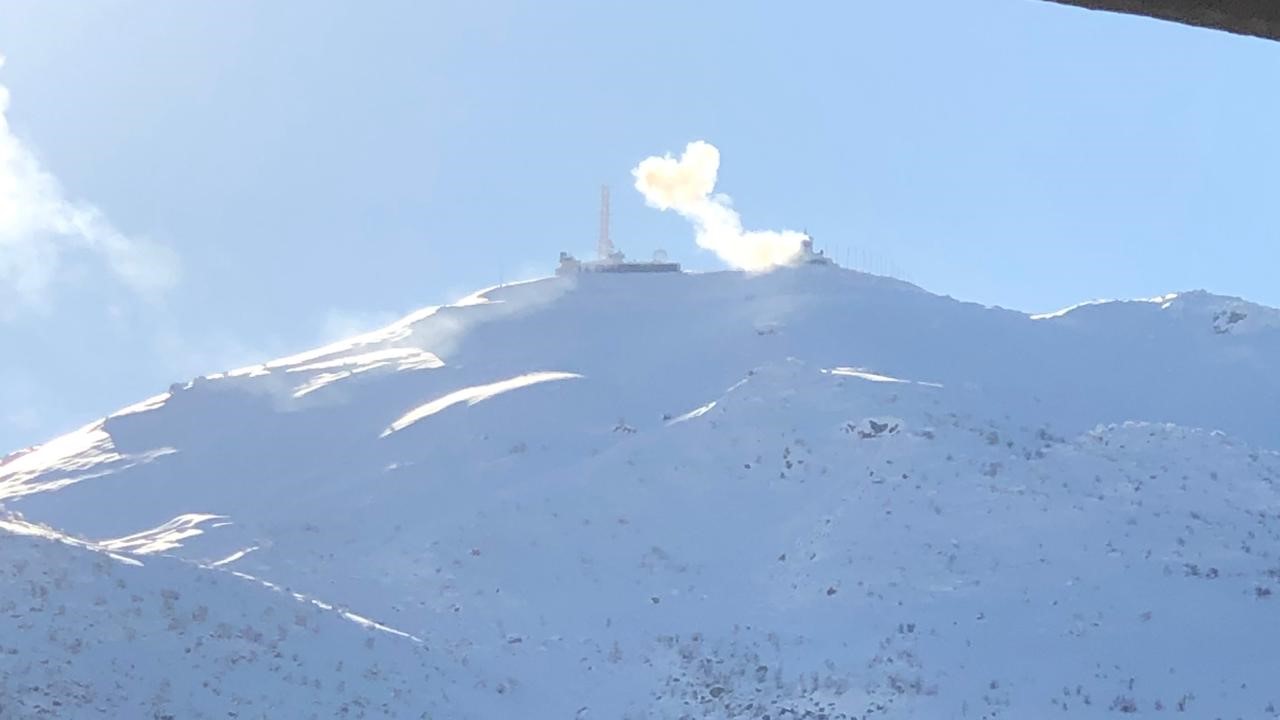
(807, 493)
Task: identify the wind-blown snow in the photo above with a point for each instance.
(888, 505)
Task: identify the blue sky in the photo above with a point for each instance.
(262, 177)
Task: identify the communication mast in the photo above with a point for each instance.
(604, 248)
(610, 259)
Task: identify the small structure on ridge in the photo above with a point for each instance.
(609, 259)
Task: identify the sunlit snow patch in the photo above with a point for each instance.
(155, 402)
(86, 453)
(403, 357)
(695, 413)
(371, 625)
(703, 410)
(251, 371)
(869, 376)
(233, 556)
(319, 381)
(165, 537)
(473, 395)
(864, 374)
(1162, 300)
(75, 451)
(16, 525)
(345, 614)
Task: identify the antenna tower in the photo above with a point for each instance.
(605, 246)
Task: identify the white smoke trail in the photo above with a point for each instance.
(38, 224)
(686, 186)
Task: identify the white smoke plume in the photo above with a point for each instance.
(687, 184)
(39, 225)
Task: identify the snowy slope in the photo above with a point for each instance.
(93, 634)
(717, 495)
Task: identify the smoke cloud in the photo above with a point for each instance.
(686, 185)
(39, 226)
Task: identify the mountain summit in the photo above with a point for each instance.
(805, 493)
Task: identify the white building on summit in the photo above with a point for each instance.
(808, 256)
